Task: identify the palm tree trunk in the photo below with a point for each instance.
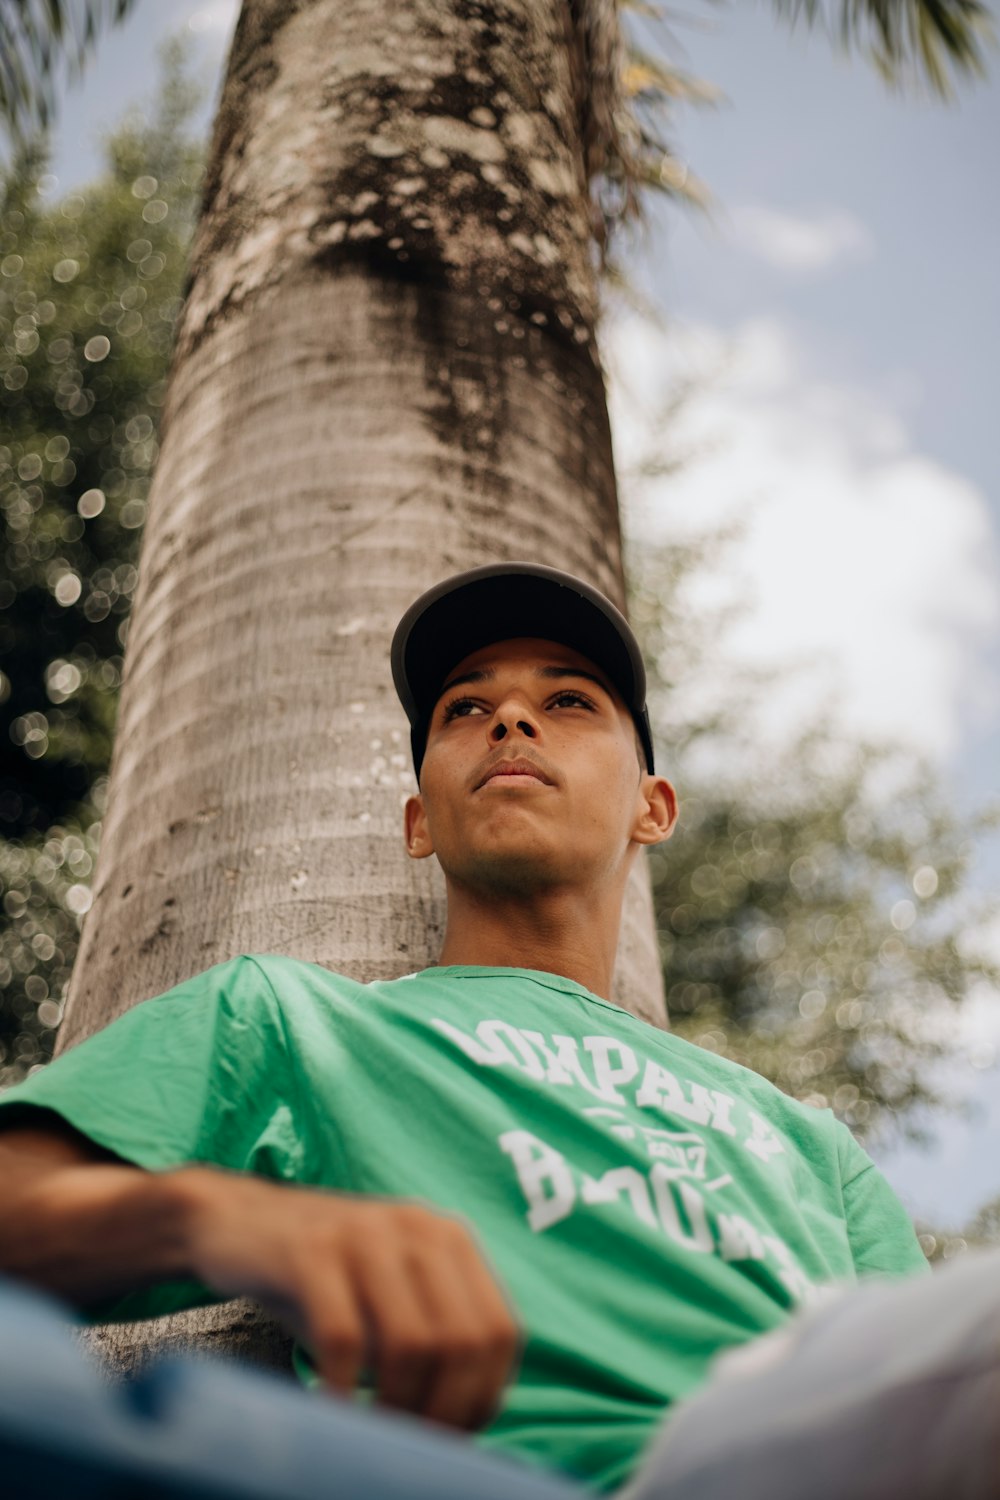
(386, 372)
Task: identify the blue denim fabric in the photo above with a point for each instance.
(889, 1392)
(212, 1430)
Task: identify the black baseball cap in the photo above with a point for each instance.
(502, 601)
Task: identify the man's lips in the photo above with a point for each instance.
(510, 769)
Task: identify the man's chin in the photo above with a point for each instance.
(513, 871)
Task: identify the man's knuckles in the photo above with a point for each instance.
(337, 1338)
(465, 1350)
(455, 1234)
(467, 1347)
(490, 1335)
(504, 1339)
(417, 1225)
(407, 1348)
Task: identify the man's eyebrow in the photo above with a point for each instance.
(487, 674)
(559, 672)
(483, 674)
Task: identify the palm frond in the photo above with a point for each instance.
(930, 41)
(39, 39)
(628, 95)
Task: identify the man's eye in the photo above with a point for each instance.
(459, 708)
(571, 699)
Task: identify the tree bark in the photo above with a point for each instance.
(386, 371)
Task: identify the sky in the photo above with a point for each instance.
(835, 318)
(845, 297)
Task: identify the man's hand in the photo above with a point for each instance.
(366, 1284)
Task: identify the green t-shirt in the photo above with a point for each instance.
(644, 1203)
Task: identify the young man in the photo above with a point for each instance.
(485, 1190)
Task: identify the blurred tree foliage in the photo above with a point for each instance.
(813, 907)
(90, 288)
(981, 1233)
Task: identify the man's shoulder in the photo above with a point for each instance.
(287, 978)
(291, 981)
(796, 1116)
(252, 981)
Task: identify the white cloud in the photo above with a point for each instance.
(862, 557)
(800, 242)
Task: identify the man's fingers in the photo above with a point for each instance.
(478, 1337)
(334, 1332)
(407, 1288)
(407, 1345)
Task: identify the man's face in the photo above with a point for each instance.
(531, 777)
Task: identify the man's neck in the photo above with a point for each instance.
(559, 933)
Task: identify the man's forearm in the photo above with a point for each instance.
(93, 1232)
(356, 1279)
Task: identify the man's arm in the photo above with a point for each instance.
(358, 1280)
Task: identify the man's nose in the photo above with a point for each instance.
(512, 716)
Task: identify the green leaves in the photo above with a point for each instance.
(814, 907)
(38, 40)
(923, 42)
(45, 886)
(90, 289)
(908, 40)
(796, 940)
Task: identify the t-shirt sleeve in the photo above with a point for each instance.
(882, 1237)
(199, 1074)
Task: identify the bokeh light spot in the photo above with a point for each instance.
(68, 589)
(91, 503)
(62, 679)
(903, 915)
(79, 899)
(812, 1004)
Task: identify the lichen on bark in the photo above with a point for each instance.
(436, 143)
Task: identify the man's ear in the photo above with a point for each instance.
(657, 811)
(415, 830)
